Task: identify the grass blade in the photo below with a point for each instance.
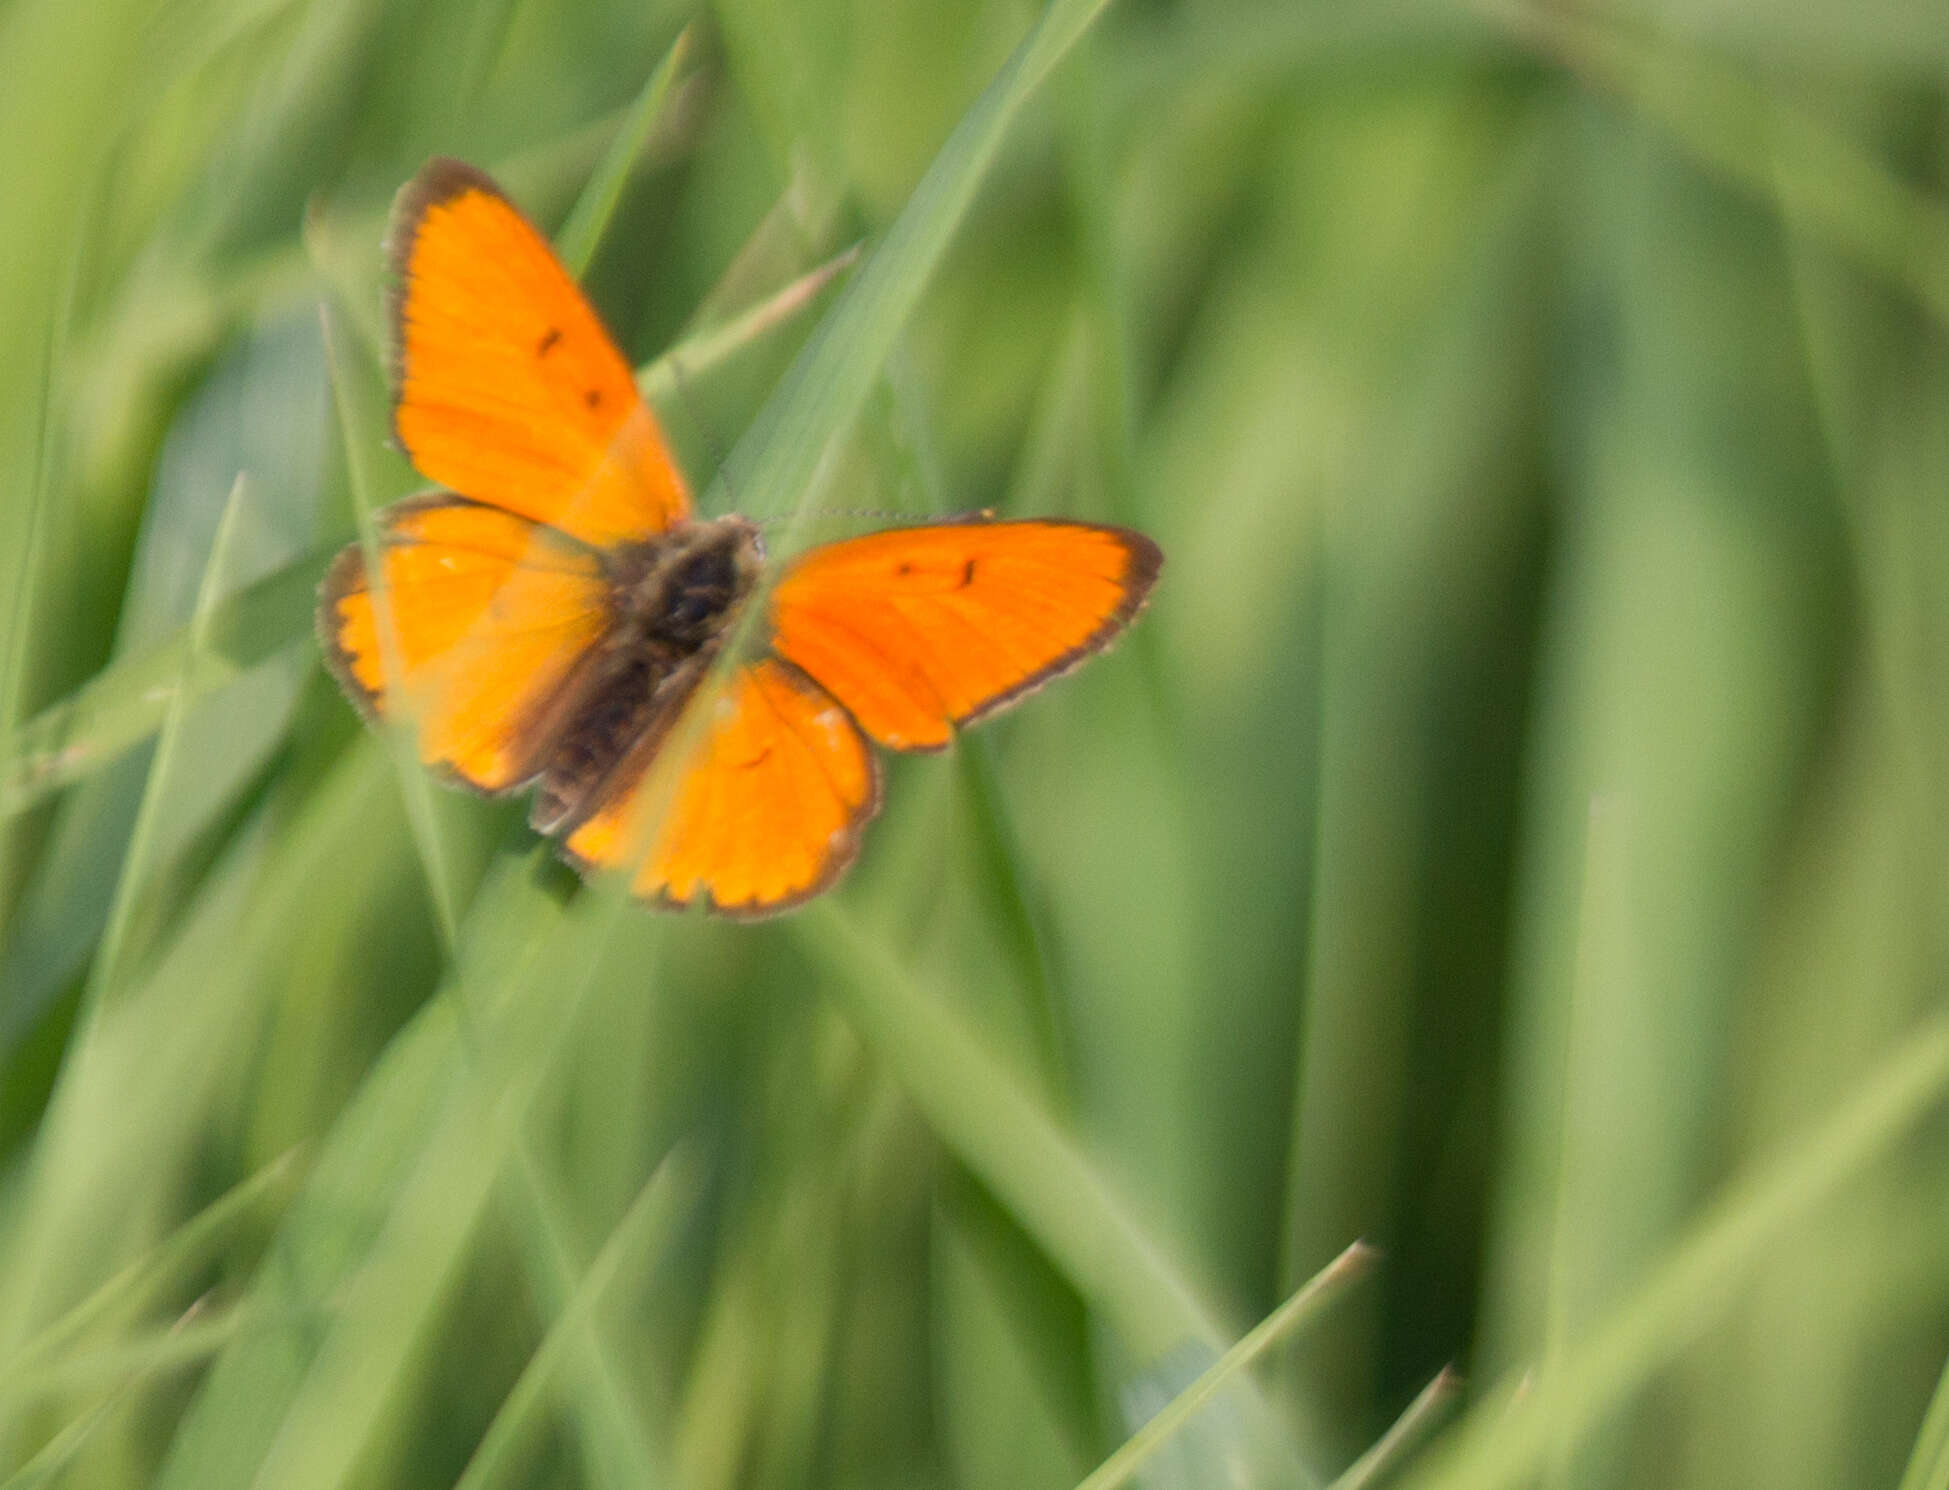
(1406, 1433)
(772, 467)
(126, 701)
(664, 1197)
(1500, 1445)
(715, 344)
(1308, 1299)
(137, 867)
(576, 243)
(1928, 1465)
(359, 424)
(982, 1111)
(188, 1249)
(1816, 180)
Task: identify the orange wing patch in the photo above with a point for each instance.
(765, 810)
(508, 388)
(490, 616)
(918, 630)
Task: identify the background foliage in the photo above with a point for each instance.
(1515, 836)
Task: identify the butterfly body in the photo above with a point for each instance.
(676, 598)
(560, 619)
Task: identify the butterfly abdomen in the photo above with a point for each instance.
(614, 713)
(674, 599)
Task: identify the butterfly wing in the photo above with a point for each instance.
(763, 812)
(919, 630)
(507, 387)
(475, 634)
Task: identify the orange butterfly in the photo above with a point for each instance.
(549, 618)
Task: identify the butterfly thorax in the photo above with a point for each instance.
(674, 599)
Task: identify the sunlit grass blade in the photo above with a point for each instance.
(1312, 1296)
(715, 344)
(612, 1431)
(644, 1228)
(360, 425)
(386, 1213)
(325, 1236)
(160, 1054)
(999, 854)
(1504, 1444)
(67, 78)
(1406, 1434)
(1928, 1463)
(577, 240)
(126, 702)
(137, 865)
(188, 1249)
(393, 1204)
(982, 1112)
(52, 1459)
(23, 581)
(130, 1359)
(773, 465)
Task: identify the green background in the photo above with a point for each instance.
(1514, 837)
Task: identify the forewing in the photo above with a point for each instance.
(763, 811)
(476, 631)
(919, 630)
(507, 387)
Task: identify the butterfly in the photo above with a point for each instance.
(555, 615)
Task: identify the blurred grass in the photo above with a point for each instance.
(1515, 836)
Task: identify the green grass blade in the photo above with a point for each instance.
(634, 1243)
(23, 582)
(65, 78)
(137, 865)
(360, 425)
(987, 1117)
(126, 702)
(713, 345)
(1928, 1465)
(188, 1249)
(772, 467)
(576, 242)
(1307, 1300)
(133, 1358)
(1819, 183)
(1506, 1444)
(394, 1202)
(159, 1054)
(999, 853)
(1407, 1432)
(51, 1461)
(613, 1434)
